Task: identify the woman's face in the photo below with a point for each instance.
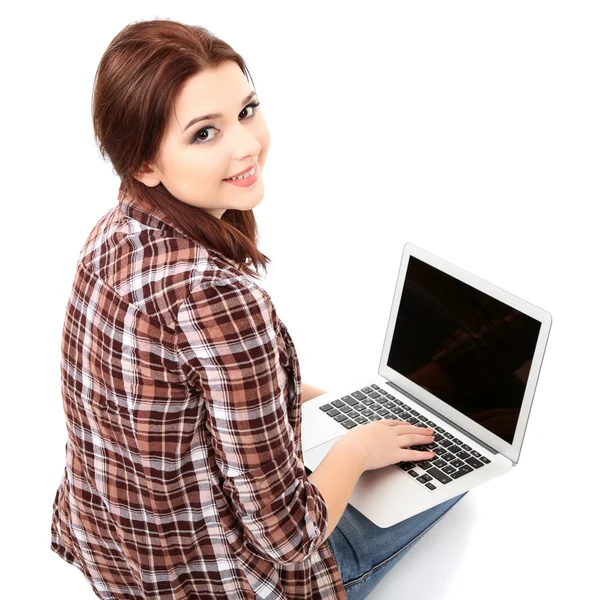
(195, 159)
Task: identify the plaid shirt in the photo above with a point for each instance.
(181, 387)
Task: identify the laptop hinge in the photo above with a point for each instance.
(419, 403)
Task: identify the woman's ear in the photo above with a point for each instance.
(148, 175)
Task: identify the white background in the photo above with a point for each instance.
(467, 128)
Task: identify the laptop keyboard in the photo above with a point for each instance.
(453, 457)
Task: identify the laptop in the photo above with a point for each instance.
(460, 355)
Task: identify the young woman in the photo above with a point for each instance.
(184, 474)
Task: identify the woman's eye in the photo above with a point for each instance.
(200, 135)
(253, 106)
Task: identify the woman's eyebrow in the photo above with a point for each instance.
(216, 115)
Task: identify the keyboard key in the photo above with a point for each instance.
(413, 473)
(366, 389)
(484, 460)
(425, 464)
(476, 453)
(448, 469)
(466, 447)
(333, 412)
(326, 407)
(430, 486)
(351, 401)
(462, 471)
(349, 424)
(358, 395)
(439, 475)
(375, 386)
(361, 420)
(340, 417)
(474, 462)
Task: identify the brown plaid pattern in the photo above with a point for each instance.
(184, 475)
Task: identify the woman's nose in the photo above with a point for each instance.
(245, 143)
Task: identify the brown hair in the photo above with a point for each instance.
(135, 86)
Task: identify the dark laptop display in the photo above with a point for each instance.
(470, 350)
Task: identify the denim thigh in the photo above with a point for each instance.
(365, 552)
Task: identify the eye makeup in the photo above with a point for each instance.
(195, 139)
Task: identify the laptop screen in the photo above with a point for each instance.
(469, 349)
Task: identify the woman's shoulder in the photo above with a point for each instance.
(155, 268)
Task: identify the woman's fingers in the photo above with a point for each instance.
(417, 429)
(406, 424)
(419, 454)
(415, 439)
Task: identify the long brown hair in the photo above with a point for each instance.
(136, 83)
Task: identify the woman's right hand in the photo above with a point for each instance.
(387, 442)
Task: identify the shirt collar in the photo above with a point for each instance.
(151, 216)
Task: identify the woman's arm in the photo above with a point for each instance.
(227, 346)
(308, 392)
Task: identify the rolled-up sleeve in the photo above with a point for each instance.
(228, 350)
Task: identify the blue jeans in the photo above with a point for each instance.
(365, 553)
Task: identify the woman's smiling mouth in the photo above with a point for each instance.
(247, 179)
